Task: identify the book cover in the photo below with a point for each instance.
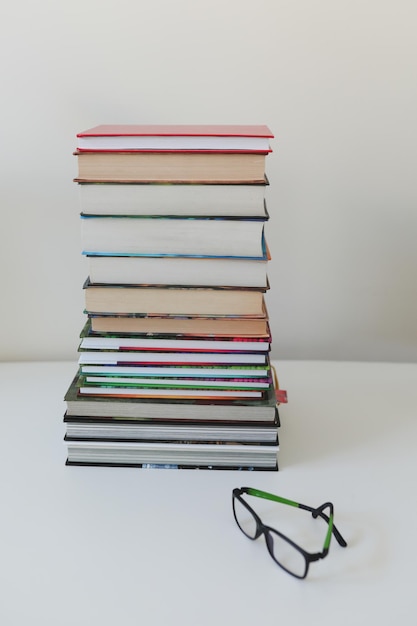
(181, 130)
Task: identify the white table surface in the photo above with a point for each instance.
(101, 546)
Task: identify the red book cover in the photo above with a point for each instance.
(177, 130)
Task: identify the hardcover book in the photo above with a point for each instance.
(190, 236)
(210, 302)
(188, 326)
(220, 137)
(180, 167)
(78, 428)
(173, 198)
(169, 270)
(172, 455)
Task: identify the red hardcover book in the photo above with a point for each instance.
(179, 137)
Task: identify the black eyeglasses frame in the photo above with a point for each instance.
(263, 529)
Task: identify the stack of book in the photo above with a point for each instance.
(174, 366)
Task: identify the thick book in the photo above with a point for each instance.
(185, 167)
(78, 428)
(193, 272)
(188, 326)
(167, 199)
(172, 454)
(219, 137)
(184, 410)
(160, 236)
(188, 301)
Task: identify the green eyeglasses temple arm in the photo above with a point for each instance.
(332, 528)
(268, 496)
(318, 512)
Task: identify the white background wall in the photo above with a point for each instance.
(334, 79)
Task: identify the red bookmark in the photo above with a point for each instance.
(281, 395)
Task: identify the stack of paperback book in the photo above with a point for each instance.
(174, 366)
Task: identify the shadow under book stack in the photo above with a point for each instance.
(174, 366)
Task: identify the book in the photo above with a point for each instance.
(188, 326)
(223, 372)
(184, 410)
(205, 302)
(98, 429)
(180, 167)
(178, 344)
(172, 455)
(171, 393)
(123, 357)
(193, 272)
(136, 382)
(170, 343)
(174, 366)
(173, 198)
(189, 236)
(204, 337)
(176, 137)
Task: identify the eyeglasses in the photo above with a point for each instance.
(287, 554)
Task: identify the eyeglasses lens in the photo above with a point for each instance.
(244, 519)
(286, 555)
